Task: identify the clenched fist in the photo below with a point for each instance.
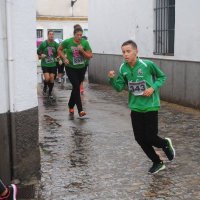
(111, 74)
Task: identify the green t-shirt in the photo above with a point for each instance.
(76, 59)
(50, 50)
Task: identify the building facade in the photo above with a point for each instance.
(165, 31)
(19, 149)
(60, 16)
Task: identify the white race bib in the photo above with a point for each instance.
(137, 88)
(78, 58)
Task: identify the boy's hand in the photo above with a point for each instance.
(148, 92)
(111, 74)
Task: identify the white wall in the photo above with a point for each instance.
(66, 26)
(62, 8)
(21, 82)
(187, 34)
(4, 106)
(113, 22)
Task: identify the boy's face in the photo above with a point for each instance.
(129, 53)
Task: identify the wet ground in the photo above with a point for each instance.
(97, 158)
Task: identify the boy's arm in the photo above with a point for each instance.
(118, 83)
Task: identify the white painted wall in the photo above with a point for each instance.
(62, 8)
(187, 34)
(4, 105)
(21, 82)
(66, 26)
(113, 22)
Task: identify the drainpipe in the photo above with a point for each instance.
(11, 81)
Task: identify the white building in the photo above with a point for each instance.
(61, 16)
(166, 31)
(18, 86)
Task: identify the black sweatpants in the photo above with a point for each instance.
(2, 187)
(145, 128)
(76, 76)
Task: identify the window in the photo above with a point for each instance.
(58, 33)
(40, 33)
(164, 27)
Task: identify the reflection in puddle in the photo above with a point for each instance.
(80, 149)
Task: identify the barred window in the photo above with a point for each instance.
(164, 27)
(39, 33)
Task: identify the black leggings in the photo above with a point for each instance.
(2, 187)
(145, 128)
(76, 76)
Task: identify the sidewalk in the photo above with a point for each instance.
(98, 158)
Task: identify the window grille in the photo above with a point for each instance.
(164, 27)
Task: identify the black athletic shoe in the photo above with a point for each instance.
(156, 167)
(169, 149)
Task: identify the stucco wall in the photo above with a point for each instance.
(19, 76)
(113, 22)
(18, 84)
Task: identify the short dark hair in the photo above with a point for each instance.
(130, 42)
(50, 31)
(78, 30)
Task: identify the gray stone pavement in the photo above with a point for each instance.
(97, 157)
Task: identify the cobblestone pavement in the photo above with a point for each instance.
(98, 158)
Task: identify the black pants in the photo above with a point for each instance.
(2, 187)
(145, 128)
(76, 76)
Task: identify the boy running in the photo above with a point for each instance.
(143, 78)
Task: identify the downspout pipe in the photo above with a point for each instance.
(11, 80)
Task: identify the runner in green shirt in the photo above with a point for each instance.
(47, 52)
(143, 79)
(78, 50)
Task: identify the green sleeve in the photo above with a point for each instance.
(158, 75)
(40, 49)
(118, 83)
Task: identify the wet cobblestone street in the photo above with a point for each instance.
(97, 158)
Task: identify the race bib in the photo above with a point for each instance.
(137, 88)
(77, 57)
(49, 58)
